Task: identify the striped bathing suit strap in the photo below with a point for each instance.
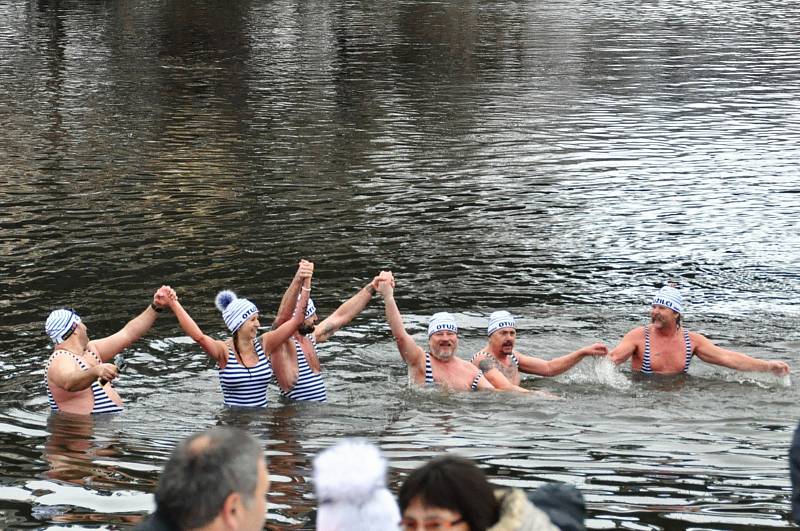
(647, 369)
(246, 386)
(102, 402)
(428, 370)
(646, 358)
(309, 386)
(689, 353)
(474, 386)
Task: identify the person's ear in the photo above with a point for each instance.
(232, 510)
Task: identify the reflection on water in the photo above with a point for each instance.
(556, 159)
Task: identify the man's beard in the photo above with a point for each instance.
(444, 353)
(305, 329)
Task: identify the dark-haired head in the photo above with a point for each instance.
(455, 484)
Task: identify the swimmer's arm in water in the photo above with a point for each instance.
(216, 349)
(274, 338)
(350, 308)
(627, 346)
(485, 385)
(110, 346)
(304, 269)
(412, 354)
(711, 353)
(556, 366)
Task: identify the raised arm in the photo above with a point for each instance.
(412, 354)
(556, 366)
(216, 349)
(304, 269)
(350, 308)
(626, 347)
(274, 338)
(110, 346)
(711, 353)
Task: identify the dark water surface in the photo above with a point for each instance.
(558, 159)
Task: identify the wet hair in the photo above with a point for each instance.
(203, 471)
(454, 483)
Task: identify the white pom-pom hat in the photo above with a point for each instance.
(235, 311)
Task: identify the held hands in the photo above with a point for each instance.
(779, 368)
(383, 276)
(305, 269)
(164, 296)
(384, 284)
(596, 349)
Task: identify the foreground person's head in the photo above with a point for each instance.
(448, 491)
(216, 479)
(350, 484)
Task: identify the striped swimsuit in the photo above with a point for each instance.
(429, 374)
(647, 369)
(102, 402)
(310, 386)
(246, 386)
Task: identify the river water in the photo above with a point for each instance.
(558, 159)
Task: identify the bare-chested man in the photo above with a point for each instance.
(502, 365)
(666, 347)
(439, 365)
(78, 373)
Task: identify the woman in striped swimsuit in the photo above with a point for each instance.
(244, 365)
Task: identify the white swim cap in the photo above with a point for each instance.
(310, 308)
(498, 320)
(442, 321)
(59, 322)
(669, 297)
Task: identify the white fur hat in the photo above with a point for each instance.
(350, 485)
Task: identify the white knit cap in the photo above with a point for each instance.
(59, 322)
(310, 308)
(498, 320)
(350, 485)
(670, 298)
(235, 311)
(442, 321)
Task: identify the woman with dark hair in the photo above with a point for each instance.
(452, 493)
(244, 361)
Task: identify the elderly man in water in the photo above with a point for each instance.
(502, 365)
(78, 374)
(666, 347)
(438, 365)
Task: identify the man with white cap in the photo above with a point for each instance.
(438, 365)
(78, 373)
(502, 365)
(296, 365)
(666, 347)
